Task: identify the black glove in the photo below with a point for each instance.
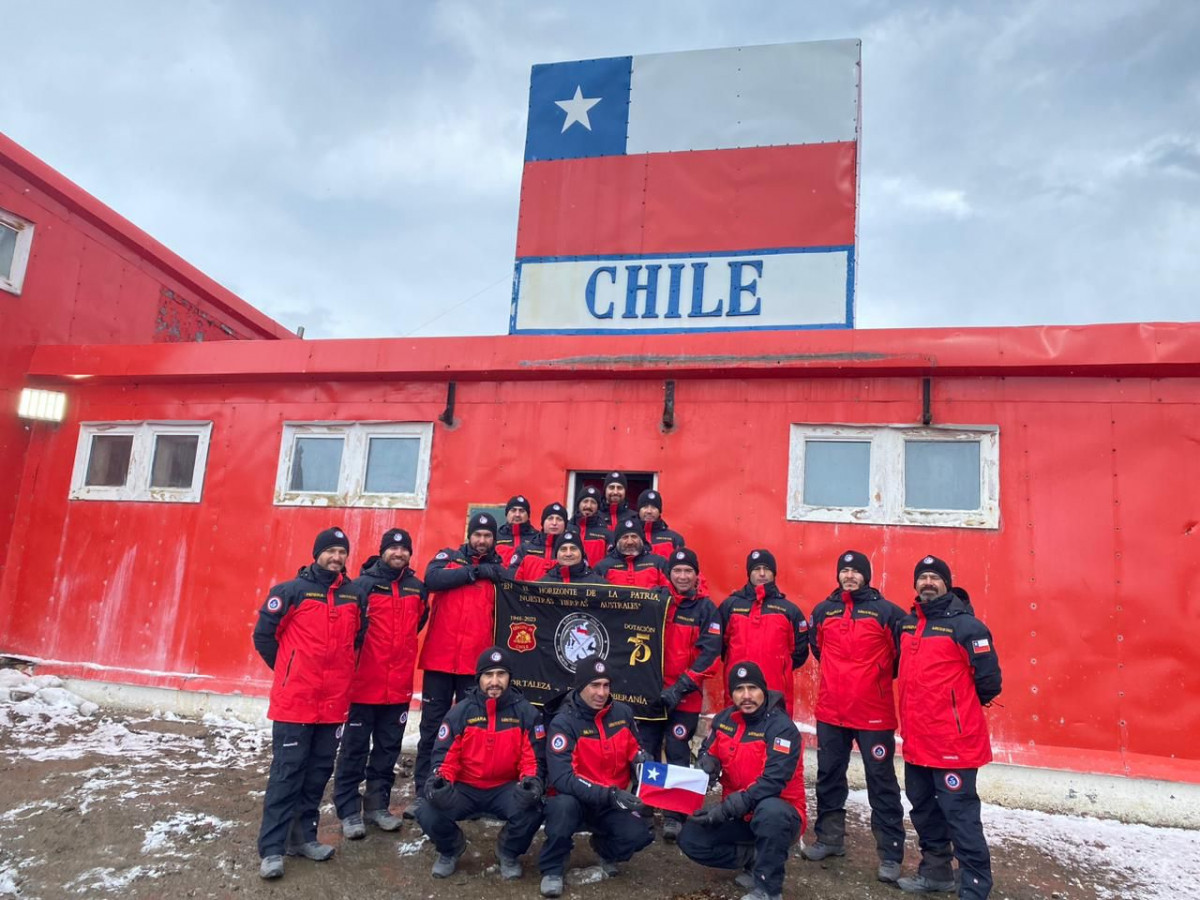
(736, 805)
(439, 791)
(671, 696)
(492, 572)
(714, 815)
(711, 766)
(625, 800)
(529, 792)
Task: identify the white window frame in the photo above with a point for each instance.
(16, 276)
(352, 475)
(885, 504)
(141, 461)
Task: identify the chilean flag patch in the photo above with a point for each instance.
(539, 731)
(983, 645)
(783, 745)
(714, 627)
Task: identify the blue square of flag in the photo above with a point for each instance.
(578, 109)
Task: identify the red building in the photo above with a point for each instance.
(1051, 466)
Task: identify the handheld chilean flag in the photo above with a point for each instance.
(675, 788)
(708, 190)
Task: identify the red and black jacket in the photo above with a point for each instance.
(589, 751)
(509, 539)
(309, 630)
(948, 670)
(762, 625)
(760, 754)
(648, 570)
(610, 515)
(580, 573)
(691, 642)
(660, 538)
(397, 607)
(534, 559)
(462, 611)
(486, 743)
(856, 638)
(596, 537)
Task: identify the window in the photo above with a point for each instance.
(374, 464)
(895, 475)
(16, 237)
(162, 462)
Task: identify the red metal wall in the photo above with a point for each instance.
(93, 278)
(1088, 586)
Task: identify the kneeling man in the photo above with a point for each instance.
(488, 758)
(755, 748)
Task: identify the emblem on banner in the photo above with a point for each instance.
(579, 636)
(522, 636)
(641, 652)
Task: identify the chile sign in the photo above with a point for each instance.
(551, 627)
(710, 190)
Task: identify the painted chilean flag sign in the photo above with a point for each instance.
(703, 191)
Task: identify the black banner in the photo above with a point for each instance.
(550, 627)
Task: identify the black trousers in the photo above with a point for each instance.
(764, 840)
(370, 747)
(676, 734)
(439, 691)
(520, 822)
(878, 748)
(301, 763)
(945, 812)
(617, 834)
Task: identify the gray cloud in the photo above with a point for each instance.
(355, 167)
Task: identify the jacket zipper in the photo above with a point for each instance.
(954, 706)
(288, 671)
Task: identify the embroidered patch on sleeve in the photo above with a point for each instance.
(983, 645)
(782, 745)
(714, 627)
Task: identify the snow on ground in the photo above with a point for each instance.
(110, 880)
(186, 827)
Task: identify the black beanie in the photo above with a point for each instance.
(936, 566)
(554, 509)
(852, 559)
(517, 502)
(394, 536)
(330, 537)
(684, 556)
(628, 526)
(589, 491)
(758, 558)
(482, 522)
(650, 498)
(492, 658)
(746, 673)
(568, 537)
(591, 669)
(615, 478)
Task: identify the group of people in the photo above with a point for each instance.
(344, 652)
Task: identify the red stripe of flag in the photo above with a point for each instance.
(705, 200)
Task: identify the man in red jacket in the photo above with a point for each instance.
(309, 630)
(397, 607)
(536, 556)
(615, 506)
(462, 612)
(855, 635)
(691, 648)
(659, 537)
(592, 744)
(489, 758)
(590, 524)
(516, 529)
(759, 623)
(948, 672)
(630, 562)
(754, 747)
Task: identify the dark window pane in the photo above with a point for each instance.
(941, 474)
(8, 247)
(392, 465)
(316, 462)
(837, 473)
(108, 461)
(174, 460)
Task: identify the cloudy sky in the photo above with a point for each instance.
(354, 167)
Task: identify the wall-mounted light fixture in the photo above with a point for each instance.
(45, 406)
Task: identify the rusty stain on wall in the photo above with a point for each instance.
(180, 320)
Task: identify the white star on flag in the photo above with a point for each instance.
(577, 109)
(653, 773)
